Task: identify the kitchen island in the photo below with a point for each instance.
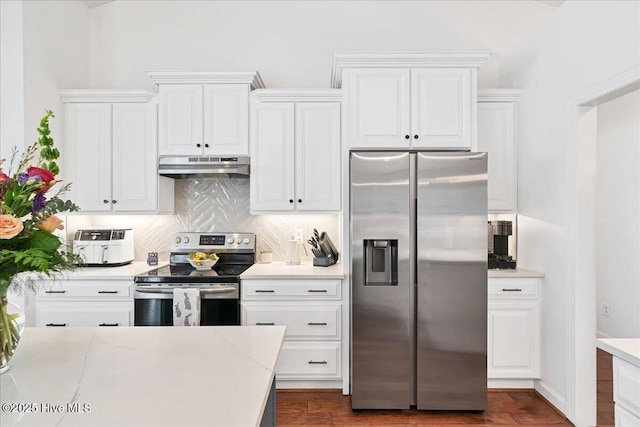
(155, 376)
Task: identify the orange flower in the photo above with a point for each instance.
(10, 226)
(51, 224)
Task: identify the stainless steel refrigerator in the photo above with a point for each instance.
(419, 280)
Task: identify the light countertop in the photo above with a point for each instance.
(125, 272)
(280, 270)
(627, 349)
(514, 273)
(156, 376)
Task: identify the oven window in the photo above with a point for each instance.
(213, 312)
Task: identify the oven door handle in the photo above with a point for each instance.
(202, 291)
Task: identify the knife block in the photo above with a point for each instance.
(323, 262)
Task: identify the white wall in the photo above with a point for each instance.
(56, 56)
(579, 46)
(11, 87)
(292, 43)
(618, 212)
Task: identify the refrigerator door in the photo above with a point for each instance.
(382, 322)
(452, 281)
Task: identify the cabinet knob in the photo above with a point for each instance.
(415, 136)
(198, 145)
(290, 200)
(114, 201)
(206, 145)
(105, 201)
(299, 200)
(406, 137)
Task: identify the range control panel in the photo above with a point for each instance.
(213, 240)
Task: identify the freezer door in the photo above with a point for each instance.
(380, 283)
(452, 281)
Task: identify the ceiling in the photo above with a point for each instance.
(96, 3)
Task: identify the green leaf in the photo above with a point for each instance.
(43, 240)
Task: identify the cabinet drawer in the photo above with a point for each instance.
(626, 386)
(309, 361)
(102, 289)
(86, 315)
(524, 288)
(290, 289)
(303, 321)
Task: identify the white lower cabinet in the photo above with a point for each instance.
(513, 332)
(85, 303)
(626, 393)
(311, 356)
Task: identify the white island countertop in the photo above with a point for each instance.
(627, 349)
(280, 270)
(155, 376)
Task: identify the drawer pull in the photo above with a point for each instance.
(317, 323)
(56, 324)
(262, 291)
(313, 362)
(107, 292)
(55, 292)
(108, 324)
(317, 290)
(511, 290)
(265, 323)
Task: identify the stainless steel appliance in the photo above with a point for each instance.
(203, 166)
(419, 280)
(104, 247)
(498, 235)
(219, 287)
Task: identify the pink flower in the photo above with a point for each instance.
(48, 179)
(10, 226)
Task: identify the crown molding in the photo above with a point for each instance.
(402, 60)
(106, 95)
(296, 95)
(499, 95)
(252, 78)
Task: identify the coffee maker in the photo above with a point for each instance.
(498, 243)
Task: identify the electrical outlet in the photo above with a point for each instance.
(298, 234)
(606, 309)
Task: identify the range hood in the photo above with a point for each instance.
(203, 166)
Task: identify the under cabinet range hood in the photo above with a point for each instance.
(203, 166)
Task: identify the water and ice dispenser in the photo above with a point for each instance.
(380, 262)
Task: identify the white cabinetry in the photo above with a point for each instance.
(497, 115)
(423, 101)
(311, 309)
(626, 393)
(204, 113)
(295, 151)
(85, 303)
(513, 331)
(110, 152)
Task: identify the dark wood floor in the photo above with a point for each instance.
(605, 389)
(331, 408)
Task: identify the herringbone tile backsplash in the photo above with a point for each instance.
(212, 204)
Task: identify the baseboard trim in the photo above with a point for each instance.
(308, 384)
(500, 383)
(552, 397)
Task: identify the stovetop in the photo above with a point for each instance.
(186, 273)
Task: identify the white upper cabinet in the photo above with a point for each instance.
(497, 115)
(111, 152)
(295, 151)
(424, 101)
(204, 113)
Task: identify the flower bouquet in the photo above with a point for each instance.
(27, 223)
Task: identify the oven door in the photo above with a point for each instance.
(218, 306)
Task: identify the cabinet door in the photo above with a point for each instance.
(272, 157)
(135, 173)
(87, 314)
(180, 119)
(378, 107)
(441, 108)
(496, 135)
(317, 139)
(88, 155)
(226, 119)
(513, 333)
